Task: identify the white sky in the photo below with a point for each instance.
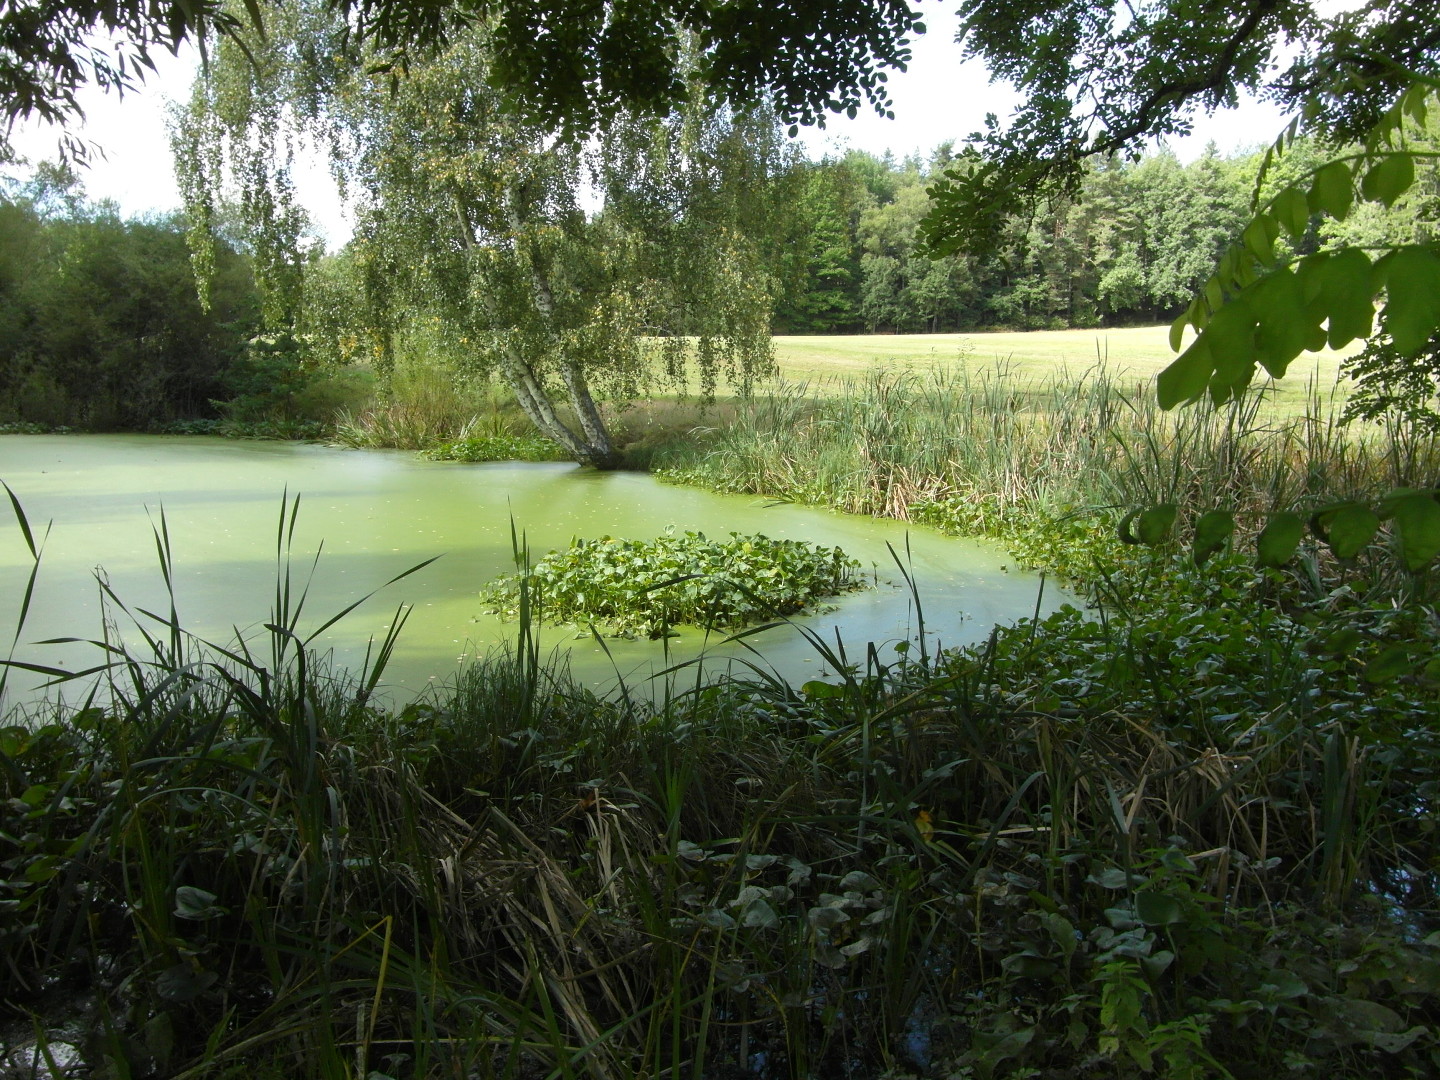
(937, 99)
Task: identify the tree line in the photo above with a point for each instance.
(1130, 245)
(100, 324)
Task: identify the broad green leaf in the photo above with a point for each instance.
(1110, 878)
(1228, 384)
(1414, 103)
(1283, 985)
(1390, 178)
(1332, 190)
(1187, 375)
(758, 913)
(1211, 531)
(1412, 304)
(1417, 520)
(1285, 324)
(183, 983)
(1259, 238)
(1389, 665)
(1231, 338)
(1394, 1042)
(1027, 965)
(193, 903)
(1177, 329)
(860, 881)
(1157, 964)
(1292, 210)
(1214, 292)
(1348, 292)
(715, 919)
(1276, 544)
(1062, 931)
(1349, 528)
(1155, 522)
(1157, 909)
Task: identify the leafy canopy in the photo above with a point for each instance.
(566, 63)
(1103, 79)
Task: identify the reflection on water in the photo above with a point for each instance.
(373, 514)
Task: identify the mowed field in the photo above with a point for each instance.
(1129, 353)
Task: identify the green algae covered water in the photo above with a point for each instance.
(370, 515)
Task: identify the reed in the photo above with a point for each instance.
(988, 453)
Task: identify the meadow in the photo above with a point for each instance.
(1186, 832)
(1131, 355)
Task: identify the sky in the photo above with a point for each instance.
(938, 98)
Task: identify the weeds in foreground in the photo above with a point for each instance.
(1183, 838)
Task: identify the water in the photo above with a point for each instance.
(377, 513)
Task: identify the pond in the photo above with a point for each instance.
(373, 514)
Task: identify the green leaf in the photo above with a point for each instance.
(1390, 178)
(1417, 520)
(183, 983)
(1340, 287)
(1111, 878)
(1187, 375)
(1285, 323)
(193, 903)
(1154, 523)
(1292, 210)
(1259, 239)
(1157, 964)
(1349, 528)
(758, 913)
(1276, 544)
(1332, 190)
(1231, 335)
(1157, 909)
(1412, 304)
(1177, 329)
(1211, 531)
(1389, 665)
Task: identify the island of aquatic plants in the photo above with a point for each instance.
(644, 587)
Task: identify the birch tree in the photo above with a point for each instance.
(573, 269)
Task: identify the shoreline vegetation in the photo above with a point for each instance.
(1189, 832)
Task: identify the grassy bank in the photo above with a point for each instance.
(1041, 464)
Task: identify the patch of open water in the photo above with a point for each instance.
(373, 514)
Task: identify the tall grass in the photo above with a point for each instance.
(984, 452)
(423, 406)
(1191, 834)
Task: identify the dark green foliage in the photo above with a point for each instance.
(99, 323)
(1391, 386)
(1103, 79)
(1132, 243)
(646, 586)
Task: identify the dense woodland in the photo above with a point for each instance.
(100, 324)
(1134, 244)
